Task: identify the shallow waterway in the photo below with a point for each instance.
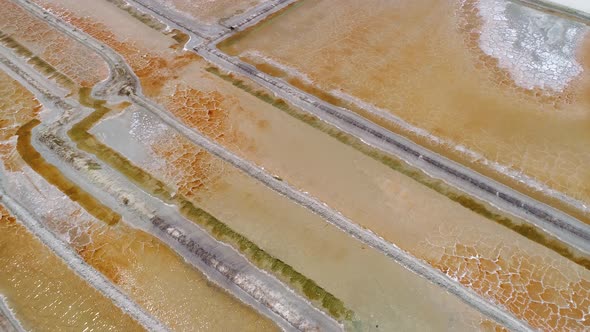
(498, 116)
(302, 240)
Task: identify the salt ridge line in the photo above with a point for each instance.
(86, 272)
(497, 167)
(576, 12)
(204, 31)
(249, 284)
(559, 224)
(555, 222)
(256, 14)
(199, 32)
(515, 175)
(9, 315)
(219, 262)
(330, 215)
(333, 217)
(253, 287)
(62, 250)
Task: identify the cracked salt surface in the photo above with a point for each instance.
(538, 49)
(577, 5)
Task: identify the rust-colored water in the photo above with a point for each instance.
(421, 61)
(206, 11)
(254, 129)
(69, 57)
(44, 293)
(162, 282)
(146, 270)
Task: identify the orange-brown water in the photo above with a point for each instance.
(69, 57)
(291, 234)
(18, 107)
(145, 269)
(255, 130)
(206, 11)
(163, 283)
(44, 293)
(421, 61)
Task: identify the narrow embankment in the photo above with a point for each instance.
(331, 216)
(53, 175)
(87, 142)
(527, 230)
(75, 262)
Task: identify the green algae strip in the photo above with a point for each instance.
(475, 205)
(52, 175)
(526, 230)
(85, 141)
(39, 64)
